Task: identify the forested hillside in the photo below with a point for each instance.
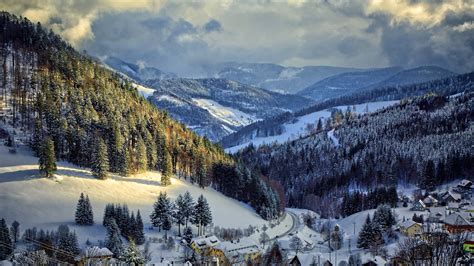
(51, 92)
(425, 141)
(446, 86)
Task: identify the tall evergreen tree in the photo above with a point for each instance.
(6, 247)
(114, 241)
(67, 243)
(100, 160)
(365, 234)
(188, 207)
(139, 234)
(84, 214)
(384, 217)
(141, 157)
(166, 168)
(162, 211)
(15, 231)
(429, 176)
(47, 159)
(202, 216)
(179, 214)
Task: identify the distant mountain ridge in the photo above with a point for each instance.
(350, 82)
(276, 77)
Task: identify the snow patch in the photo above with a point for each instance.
(225, 114)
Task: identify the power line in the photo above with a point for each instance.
(50, 247)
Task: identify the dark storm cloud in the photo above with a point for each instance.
(212, 25)
(186, 37)
(410, 45)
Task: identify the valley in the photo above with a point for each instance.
(236, 133)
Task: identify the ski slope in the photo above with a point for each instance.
(47, 203)
(294, 130)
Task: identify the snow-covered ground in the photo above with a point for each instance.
(225, 114)
(47, 203)
(144, 91)
(294, 130)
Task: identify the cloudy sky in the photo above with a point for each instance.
(186, 37)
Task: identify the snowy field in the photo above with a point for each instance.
(294, 130)
(225, 114)
(47, 203)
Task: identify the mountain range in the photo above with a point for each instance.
(346, 83)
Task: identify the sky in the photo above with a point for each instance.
(189, 37)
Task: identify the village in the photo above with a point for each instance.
(445, 211)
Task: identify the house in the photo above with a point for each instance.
(455, 222)
(303, 260)
(95, 256)
(436, 215)
(411, 228)
(418, 206)
(450, 196)
(453, 206)
(200, 244)
(236, 252)
(465, 184)
(430, 201)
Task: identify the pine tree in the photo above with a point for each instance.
(166, 168)
(188, 234)
(132, 256)
(37, 137)
(6, 247)
(15, 231)
(67, 243)
(179, 214)
(100, 160)
(188, 207)
(319, 125)
(162, 211)
(202, 216)
(139, 235)
(384, 217)
(142, 158)
(201, 174)
(47, 159)
(429, 176)
(109, 213)
(114, 241)
(80, 211)
(89, 212)
(365, 234)
(84, 214)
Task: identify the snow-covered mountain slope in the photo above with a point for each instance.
(136, 72)
(225, 114)
(343, 83)
(218, 107)
(415, 75)
(273, 126)
(347, 83)
(276, 77)
(303, 125)
(45, 203)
